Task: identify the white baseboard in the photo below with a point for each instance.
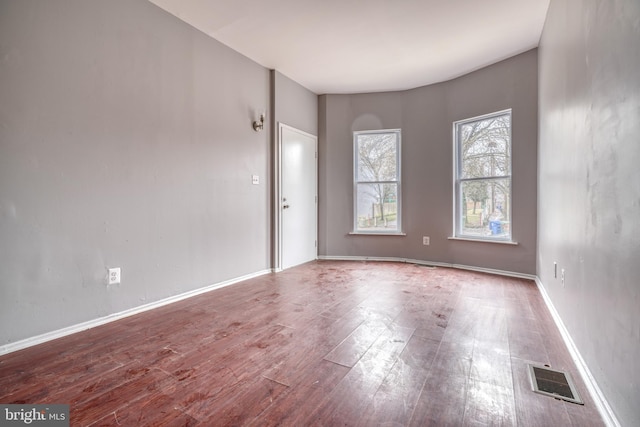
(48, 336)
(384, 259)
(590, 382)
(596, 394)
(592, 386)
(429, 263)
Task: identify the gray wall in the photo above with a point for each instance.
(294, 105)
(125, 141)
(425, 116)
(589, 203)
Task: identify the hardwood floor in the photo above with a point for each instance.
(326, 344)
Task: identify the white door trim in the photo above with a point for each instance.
(277, 201)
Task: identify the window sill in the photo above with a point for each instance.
(469, 239)
(380, 233)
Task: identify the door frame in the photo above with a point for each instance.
(277, 200)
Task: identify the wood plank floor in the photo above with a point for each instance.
(327, 343)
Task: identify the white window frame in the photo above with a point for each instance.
(458, 180)
(398, 230)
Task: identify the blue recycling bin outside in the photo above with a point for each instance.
(496, 227)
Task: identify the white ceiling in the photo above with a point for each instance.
(350, 46)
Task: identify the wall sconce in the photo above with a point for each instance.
(259, 125)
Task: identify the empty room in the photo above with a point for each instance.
(296, 213)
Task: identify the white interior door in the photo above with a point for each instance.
(298, 197)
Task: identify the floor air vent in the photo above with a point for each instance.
(557, 384)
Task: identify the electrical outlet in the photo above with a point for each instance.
(255, 179)
(562, 277)
(425, 240)
(114, 276)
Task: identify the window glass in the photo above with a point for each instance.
(377, 181)
(483, 177)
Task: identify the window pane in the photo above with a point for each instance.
(486, 206)
(377, 157)
(377, 207)
(485, 147)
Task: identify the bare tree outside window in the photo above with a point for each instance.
(483, 177)
(377, 181)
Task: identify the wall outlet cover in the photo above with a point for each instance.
(114, 276)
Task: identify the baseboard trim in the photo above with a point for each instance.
(429, 263)
(594, 390)
(590, 382)
(49, 336)
(381, 259)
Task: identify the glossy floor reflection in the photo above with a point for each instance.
(327, 343)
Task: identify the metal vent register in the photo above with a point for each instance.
(557, 384)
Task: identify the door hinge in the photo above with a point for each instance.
(316, 244)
